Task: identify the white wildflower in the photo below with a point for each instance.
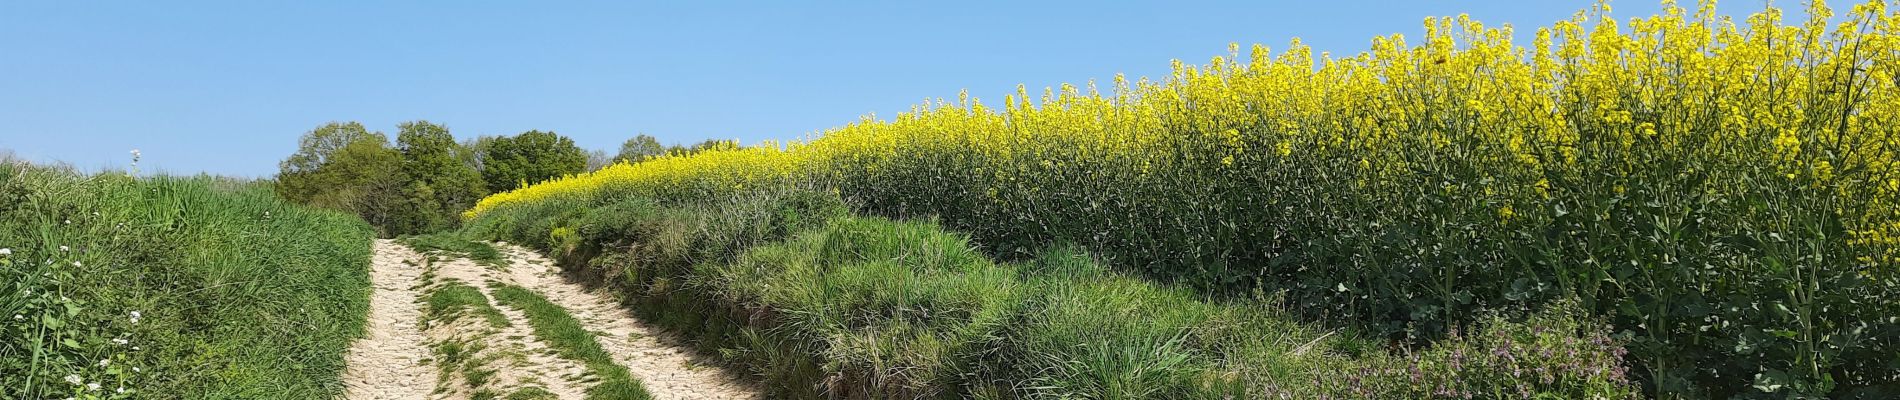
(135, 317)
(136, 369)
(64, 248)
(120, 341)
(77, 264)
(6, 251)
(105, 362)
(73, 379)
(93, 386)
(17, 317)
(121, 390)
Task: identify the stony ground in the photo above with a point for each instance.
(462, 355)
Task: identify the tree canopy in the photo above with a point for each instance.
(438, 184)
(639, 148)
(528, 158)
(342, 166)
(418, 186)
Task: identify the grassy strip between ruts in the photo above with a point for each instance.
(454, 298)
(481, 253)
(566, 335)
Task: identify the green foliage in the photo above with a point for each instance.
(342, 166)
(821, 304)
(639, 148)
(421, 185)
(173, 288)
(572, 340)
(531, 157)
(531, 393)
(438, 185)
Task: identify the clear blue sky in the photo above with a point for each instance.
(226, 87)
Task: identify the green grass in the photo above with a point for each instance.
(573, 341)
(530, 393)
(821, 304)
(482, 253)
(238, 294)
(454, 298)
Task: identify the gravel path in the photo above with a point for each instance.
(387, 363)
(513, 355)
(392, 360)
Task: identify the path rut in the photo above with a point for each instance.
(387, 362)
(393, 360)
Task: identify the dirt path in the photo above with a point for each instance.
(668, 371)
(480, 348)
(498, 360)
(387, 362)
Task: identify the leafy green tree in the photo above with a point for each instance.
(528, 158)
(437, 183)
(639, 148)
(343, 166)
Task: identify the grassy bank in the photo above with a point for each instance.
(820, 303)
(172, 287)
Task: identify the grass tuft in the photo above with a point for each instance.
(454, 298)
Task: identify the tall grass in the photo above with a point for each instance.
(172, 287)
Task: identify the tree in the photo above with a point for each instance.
(342, 166)
(437, 183)
(528, 158)
(597, 159)
(713, 144)
(640, 148)
(473, 150)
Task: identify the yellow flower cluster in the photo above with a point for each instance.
(712, 172)
(1816, 102)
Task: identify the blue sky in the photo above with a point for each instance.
(226, 87)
